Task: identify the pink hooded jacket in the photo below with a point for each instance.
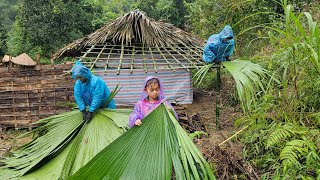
(143, 107)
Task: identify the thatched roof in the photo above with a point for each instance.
(23, 59)
(136, 41)
(6, 58)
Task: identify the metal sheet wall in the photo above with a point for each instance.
(177, 85)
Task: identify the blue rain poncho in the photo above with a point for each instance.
(93, 93)
(216, 48)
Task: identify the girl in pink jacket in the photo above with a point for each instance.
(152, 97)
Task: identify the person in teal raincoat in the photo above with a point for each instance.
(219, 47)
(89, 90)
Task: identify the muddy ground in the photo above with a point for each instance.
(226, 158)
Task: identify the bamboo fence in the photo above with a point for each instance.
(30, 94)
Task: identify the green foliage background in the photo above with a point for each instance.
(283, 139)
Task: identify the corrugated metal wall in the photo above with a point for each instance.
(177, 85)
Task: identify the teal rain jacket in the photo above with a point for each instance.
(216, 48)
(93, 93)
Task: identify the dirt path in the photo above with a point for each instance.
(8, 140)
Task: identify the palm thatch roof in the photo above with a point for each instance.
(137, 41)
(23, 59)
(6, 58)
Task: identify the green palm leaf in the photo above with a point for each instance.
(67, 145)
(150, 151)
(247, 75)
(28, 156)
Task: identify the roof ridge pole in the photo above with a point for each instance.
(106, 65)
(165, 59)
(144, 60)
(132, 60)
(121, 58)
(98, 56)
(191, 62)
(177, 59)
(154, 62)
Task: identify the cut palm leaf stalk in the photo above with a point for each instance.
(67, 145)
(151, 151)
(113, 93)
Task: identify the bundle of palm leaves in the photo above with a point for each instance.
(158, 149)
(70, 148)
(67, 144)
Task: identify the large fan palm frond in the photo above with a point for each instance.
(68, 144)
(151, 151)
(249, 78)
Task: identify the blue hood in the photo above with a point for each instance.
(80, 70)
(226, 33)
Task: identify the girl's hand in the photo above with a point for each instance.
(138, 122)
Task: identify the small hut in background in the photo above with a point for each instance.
(135, 46)
(6, 61)
(23, 60)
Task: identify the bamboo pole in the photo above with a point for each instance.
(218, 81)
(154, 63)
(120, 61)
(192, 57)
(85, 55)
(144, 60)
(132, 61)
(234, 134)
(177, 60)
(191, 62)
(97, 57)
(164, 57)
(107, 63)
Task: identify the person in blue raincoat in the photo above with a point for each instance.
(219, 47)
(89, 90)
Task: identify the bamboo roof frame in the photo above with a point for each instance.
(135, 41)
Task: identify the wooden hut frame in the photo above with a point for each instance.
(135, 41)
(138, 45)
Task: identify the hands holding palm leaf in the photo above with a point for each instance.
(138, 122)
(87, 116)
